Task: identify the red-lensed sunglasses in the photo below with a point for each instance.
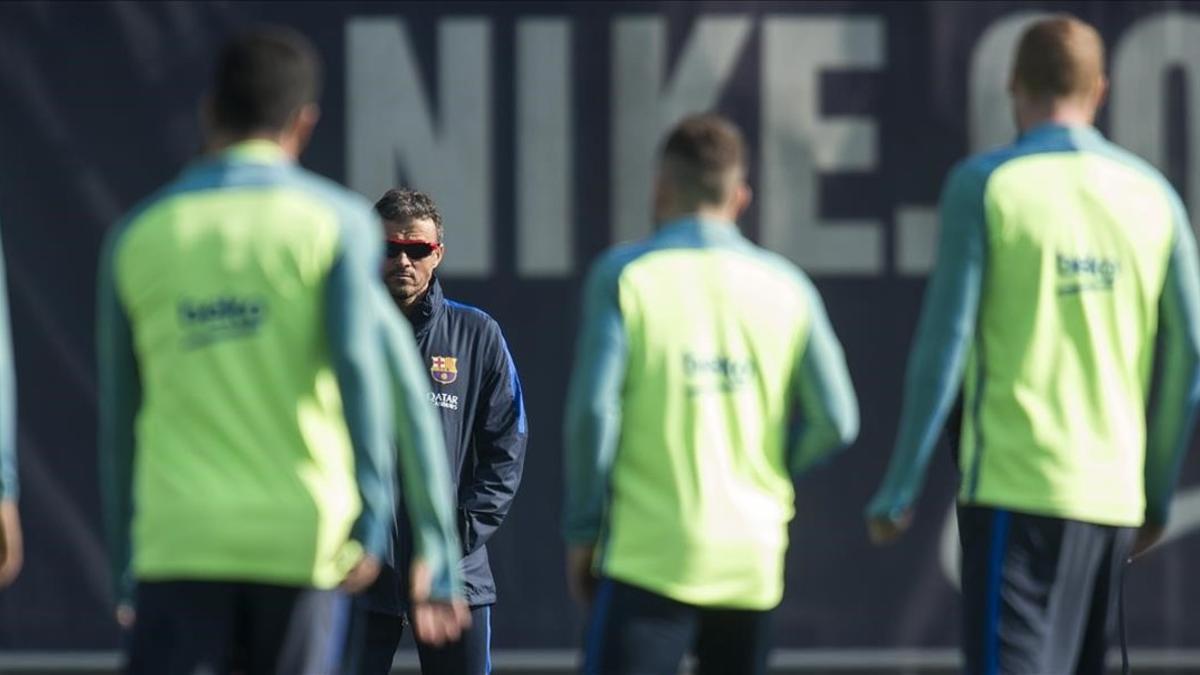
(415, 249)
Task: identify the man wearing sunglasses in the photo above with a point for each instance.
(477, 394)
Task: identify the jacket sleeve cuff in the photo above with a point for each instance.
(372, 534)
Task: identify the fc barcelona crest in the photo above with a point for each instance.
(444, 369)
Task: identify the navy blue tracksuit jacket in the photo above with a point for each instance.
(478, 395)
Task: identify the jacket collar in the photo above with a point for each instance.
(429, 307)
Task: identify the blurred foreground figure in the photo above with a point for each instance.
(11, 546)
(245, 409)
(707, 376)
(1066, 294)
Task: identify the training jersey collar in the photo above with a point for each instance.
(1051, 129)
(428, 307)
(706, 228)
(257, 151)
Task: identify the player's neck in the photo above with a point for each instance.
(705, 213)
(1062, 113)
(220, 141)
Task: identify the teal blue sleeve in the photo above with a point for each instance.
(944, 333)
(424, 469)
(357, 354)
(9, 487)
(120, 398)
(826, 407)
(1175, 390)
(593, 410)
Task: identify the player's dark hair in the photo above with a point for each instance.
(1059, 57)
(704, 156)
(402, 206)
(262, 78)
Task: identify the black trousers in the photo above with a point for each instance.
(381, 633)
(213, 628)
(633, 631)
(1040, 595)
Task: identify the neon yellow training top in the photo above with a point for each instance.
(706, 377)
(1066, 296)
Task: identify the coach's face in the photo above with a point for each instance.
(413, 253)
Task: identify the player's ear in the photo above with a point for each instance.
(742, 196)
(1101, 92)
(300, 128)
(437, 255)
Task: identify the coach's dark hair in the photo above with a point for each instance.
(704, 157)
(402, 206)
(1059, 57)
(262, 78)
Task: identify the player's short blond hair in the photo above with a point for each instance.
(1059, 57)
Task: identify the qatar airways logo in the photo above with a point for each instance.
(442, 400)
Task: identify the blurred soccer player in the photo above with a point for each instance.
(1066, 289)
(11, 544)
(244, 404)
(478, 395)
(706, 377)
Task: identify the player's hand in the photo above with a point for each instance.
(1147, 536)
(126, 616)
(12, 548)
(435, 622)
(886, 529)
(361, 575)
(581, 582)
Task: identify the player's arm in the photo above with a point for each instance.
(826, 408)
(500, 435)
(936, 362)
(438, 611)
(11, 548)
(424, 470)
(357, 354)
(120, 398)
(1175, 390)
(593, 422)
